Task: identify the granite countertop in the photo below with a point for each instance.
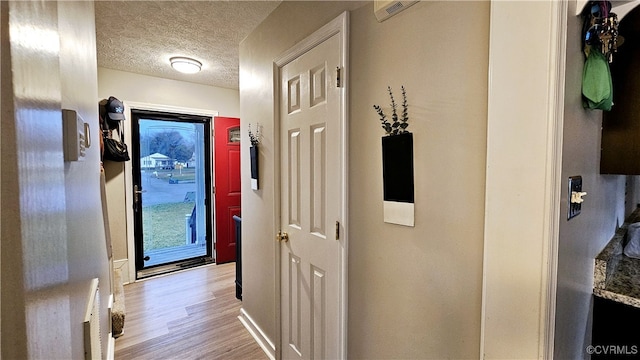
(617, 276)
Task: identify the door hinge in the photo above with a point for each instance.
(337, 230)
(338, 70)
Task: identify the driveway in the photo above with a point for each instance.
(159, 191)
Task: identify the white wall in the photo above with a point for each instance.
(152, 90)
(413, 292)
(53, 241)
(604, 209)
(137, 88)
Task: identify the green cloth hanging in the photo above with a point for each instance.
(597, 87)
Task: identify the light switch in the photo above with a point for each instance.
(76, 135)
(575, 196)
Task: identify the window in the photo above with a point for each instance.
(234, 135)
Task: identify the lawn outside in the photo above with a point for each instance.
(164, 224)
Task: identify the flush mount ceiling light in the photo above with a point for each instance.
(185, 65)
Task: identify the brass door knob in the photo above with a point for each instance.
(282, 236)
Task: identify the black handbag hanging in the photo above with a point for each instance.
(115, 150)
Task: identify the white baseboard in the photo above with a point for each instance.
(123, 265)
(267, 346)
(111, 348)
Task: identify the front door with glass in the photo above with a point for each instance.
(171, 192)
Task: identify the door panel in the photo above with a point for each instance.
(311, 200)
(234, 171)
(227, 185)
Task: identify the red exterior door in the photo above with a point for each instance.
(227, 185)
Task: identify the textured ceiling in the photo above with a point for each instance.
(141, 36)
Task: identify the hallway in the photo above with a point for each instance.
(186, 315)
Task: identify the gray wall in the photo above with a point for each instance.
(413, 292)
(609, 200)
(416, 292)
(53, 241)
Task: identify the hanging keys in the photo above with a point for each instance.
(601, 29)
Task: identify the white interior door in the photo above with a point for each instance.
(312, 203)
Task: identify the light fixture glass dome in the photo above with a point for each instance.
(185, 65)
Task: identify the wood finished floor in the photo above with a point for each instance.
(191, 314)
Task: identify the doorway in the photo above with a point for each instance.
(171, 201)
(313, 198)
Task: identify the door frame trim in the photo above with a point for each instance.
(536, 332)
(340, 25)
(128, 171)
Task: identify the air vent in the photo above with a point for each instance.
(385, 9)
(91, 326)
(395, 7)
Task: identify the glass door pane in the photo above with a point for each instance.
(171, 191)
